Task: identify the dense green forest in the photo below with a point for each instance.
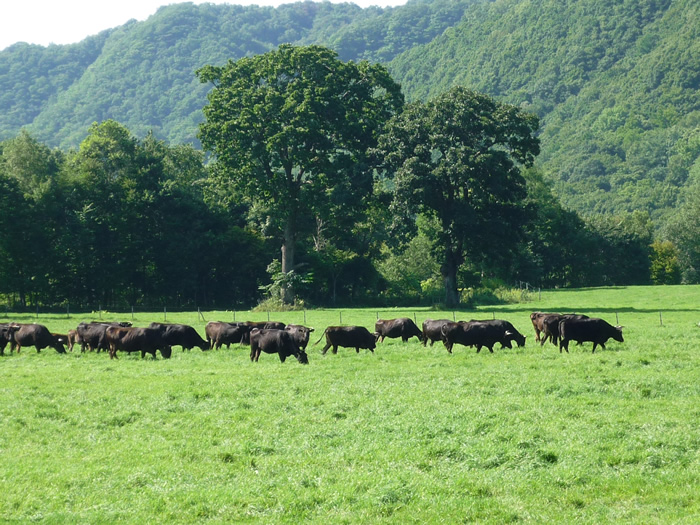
(371, 200)
(612, 197)
(615, 84)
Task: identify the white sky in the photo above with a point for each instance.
(47, 22)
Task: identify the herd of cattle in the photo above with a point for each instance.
(292, 340)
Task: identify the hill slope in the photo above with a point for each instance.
(615, 83)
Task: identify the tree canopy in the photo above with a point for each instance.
(457, 158)
(291, 129)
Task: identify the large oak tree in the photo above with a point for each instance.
(291, 129)
(457, 158)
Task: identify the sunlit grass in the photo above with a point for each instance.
(405, 435)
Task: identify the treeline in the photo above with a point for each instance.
(125, 221)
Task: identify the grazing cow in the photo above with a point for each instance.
(300, 334)
(133, 339)
(595, 330)
(402, 327)
(7, 335)
(349, 337)
(509, 331)
(475, 333)
(181, 335)
(219, 333)
(92, 334)
(550, 326)
(432, 330)
(274, 341)
(37, 335)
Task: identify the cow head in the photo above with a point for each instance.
(166, 352)
(617, 334)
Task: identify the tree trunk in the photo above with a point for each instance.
(449, 275)
(288, 257)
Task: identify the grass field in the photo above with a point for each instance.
(405, 435)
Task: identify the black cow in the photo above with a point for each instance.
(594, 330)
(7, 335)
(134, 339)
(349, 337)
(475, 333)
(402, 327)
(219, 333)
(274, 341)
(509, 331)
(432, 330)
(300, 334)
(38, 336)
(181, 335)
(550, 326)
(92, 334)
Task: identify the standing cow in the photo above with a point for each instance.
(550, 326)
(537, 319)
(221, 333)
(592, 330)
(348, 337)
(402, 327)
(300, 334)
(7, 335)
(475, 333)
(181, 335)
(432, 330)
(134, 339)
(273, 341)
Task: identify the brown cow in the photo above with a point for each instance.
(38, 336)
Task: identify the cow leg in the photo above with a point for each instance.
(335, 349)
(357, 349)
(282, 356)
(325, 349)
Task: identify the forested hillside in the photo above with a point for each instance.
(615, 84)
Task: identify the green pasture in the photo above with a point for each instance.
(405, 435)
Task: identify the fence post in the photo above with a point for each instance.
(661, 321)
(132, 313)
(68, 310)
(165, 314)
(341, 316)
(454, 318)
(304, 317)
(617, 319)
(268, 316)
(99, 310)
(234, 316)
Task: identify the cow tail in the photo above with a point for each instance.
(322, 335)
